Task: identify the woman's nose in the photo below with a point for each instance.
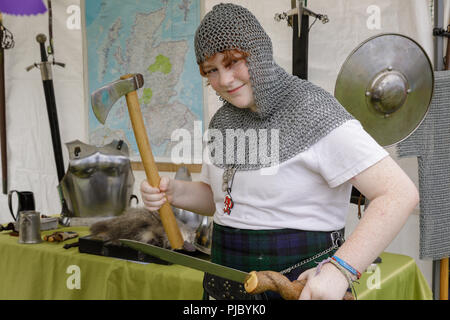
(226, 77)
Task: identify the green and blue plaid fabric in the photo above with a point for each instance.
(275, 250)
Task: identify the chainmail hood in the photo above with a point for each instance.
(299, 111)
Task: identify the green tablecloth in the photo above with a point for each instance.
(397, 278)
(48, 271)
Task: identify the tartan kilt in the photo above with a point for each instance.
(259, 250)
(275, 250)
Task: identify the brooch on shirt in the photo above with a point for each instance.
(228, 178)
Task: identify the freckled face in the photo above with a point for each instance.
(231, 82)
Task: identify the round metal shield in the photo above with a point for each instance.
(387, 84)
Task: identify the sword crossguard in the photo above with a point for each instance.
(60, 64)
(300, 10)
(34, 65)
(46, 65)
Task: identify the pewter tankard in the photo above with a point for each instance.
(29, 227)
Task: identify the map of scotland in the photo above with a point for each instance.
(154, 38)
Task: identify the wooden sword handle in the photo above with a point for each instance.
(151, 170)
(261, 281)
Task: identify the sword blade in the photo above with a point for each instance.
(187, 261)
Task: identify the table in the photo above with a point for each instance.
(397, 278)
(48, 271)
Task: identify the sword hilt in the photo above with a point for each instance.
(261, 281)
(299, 8)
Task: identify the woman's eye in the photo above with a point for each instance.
(211, 71)
(235, 62)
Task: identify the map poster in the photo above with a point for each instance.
(156, 39)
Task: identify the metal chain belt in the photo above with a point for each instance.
(337, 239)
(309, 259)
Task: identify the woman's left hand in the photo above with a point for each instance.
(329, 284)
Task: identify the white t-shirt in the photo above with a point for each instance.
(308, 192)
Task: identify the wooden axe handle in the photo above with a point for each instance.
(151, 171)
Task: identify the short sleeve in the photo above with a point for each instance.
(204, 173)
(345, 152)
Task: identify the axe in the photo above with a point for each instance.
(102, 101)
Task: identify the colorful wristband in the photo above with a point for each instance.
(347, 267)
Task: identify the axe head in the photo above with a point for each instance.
(104, 98)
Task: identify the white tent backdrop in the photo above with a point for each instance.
(31, 164)
(30, 154)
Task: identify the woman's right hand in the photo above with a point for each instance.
(154, 198)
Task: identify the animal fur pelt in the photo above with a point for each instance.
(137, 224)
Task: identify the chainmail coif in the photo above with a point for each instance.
(302, 112)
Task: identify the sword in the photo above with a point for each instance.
(47, 81)
(298, 19)
(254, 282)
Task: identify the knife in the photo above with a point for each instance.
(254, 282)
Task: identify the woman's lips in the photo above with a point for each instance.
(235, 90)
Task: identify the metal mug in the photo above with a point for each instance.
(25, 202)
(29, 227)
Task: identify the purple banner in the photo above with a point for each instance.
(22, 7)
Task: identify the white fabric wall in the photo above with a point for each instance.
(30, 152)
(31, 164)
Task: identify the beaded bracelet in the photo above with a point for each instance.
(346, 266)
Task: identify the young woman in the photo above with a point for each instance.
(280, 199)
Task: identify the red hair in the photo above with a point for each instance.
(229, 56)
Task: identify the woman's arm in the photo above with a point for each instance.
(393, 196)
(193, 196)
